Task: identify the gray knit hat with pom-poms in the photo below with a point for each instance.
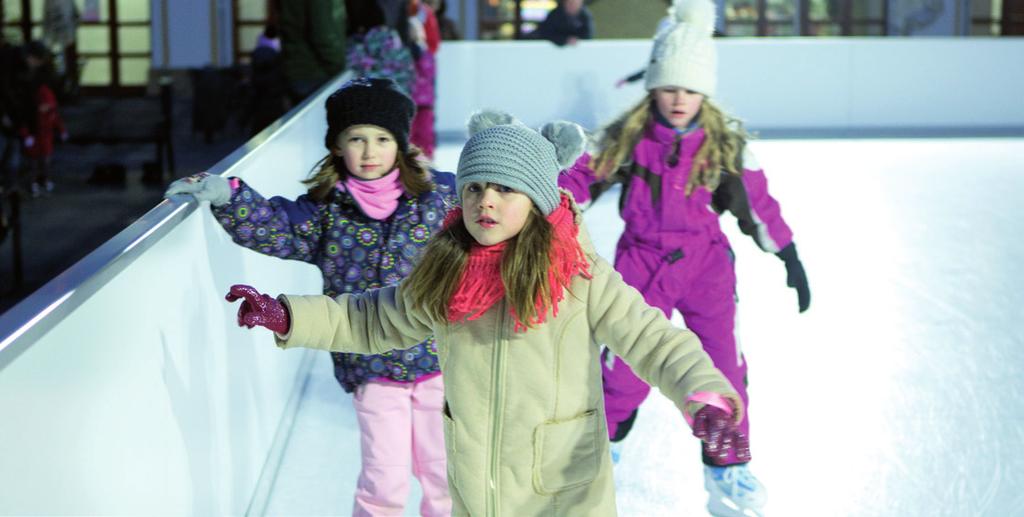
(503, 150)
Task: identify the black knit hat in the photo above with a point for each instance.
(376, 101)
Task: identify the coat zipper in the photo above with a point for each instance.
(497, 370)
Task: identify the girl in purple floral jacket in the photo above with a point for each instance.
(370, 209)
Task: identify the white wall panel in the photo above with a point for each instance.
(784, 83)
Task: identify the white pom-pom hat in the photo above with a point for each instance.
(684, 53)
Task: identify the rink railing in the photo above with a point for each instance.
(813, 86)
(126, 386)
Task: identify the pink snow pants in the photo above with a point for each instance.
(402, 430)
(701, 284)
(422, 133)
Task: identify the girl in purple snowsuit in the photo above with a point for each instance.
(682, 162)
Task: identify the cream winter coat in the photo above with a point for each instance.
(525, 430)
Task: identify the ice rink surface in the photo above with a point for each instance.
(899, 393)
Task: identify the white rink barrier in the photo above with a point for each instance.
(772, 83)
(126, 388)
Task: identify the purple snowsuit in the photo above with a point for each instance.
(674, 252)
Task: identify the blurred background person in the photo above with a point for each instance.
(270, 37)
(268, 92)
(426, 34)
(566, 24)
(378, 49)
(46, 122)
(449, 31)
(397, 40)
(312, 43)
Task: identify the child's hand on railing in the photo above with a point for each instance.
(259, 309)
(203, 187)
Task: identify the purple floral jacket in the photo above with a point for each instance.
(354, 253)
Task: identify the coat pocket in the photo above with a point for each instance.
(449, 442)
(566, 453)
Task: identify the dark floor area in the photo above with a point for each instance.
(59, 229)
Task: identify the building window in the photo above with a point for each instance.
(986, 17)
(805, 17)
(112, 50)
(760, 17)
(250, 17)
(511, 19)
(844, 18)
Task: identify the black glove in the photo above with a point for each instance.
(796, 277)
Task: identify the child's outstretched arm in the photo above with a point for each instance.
(663, 355)
(759, 215)
(757, 212)
(578, 179)
(373, 322)
(632, 78)
(583, 182)
(277, 226)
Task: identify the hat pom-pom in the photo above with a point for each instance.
(486, 119)
(699, 13)
(568, 138)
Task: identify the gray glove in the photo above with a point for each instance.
(203, 187)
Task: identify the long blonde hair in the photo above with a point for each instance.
(524, 269)
(327, 172)
(724, 138)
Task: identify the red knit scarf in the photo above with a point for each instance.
(481, 286)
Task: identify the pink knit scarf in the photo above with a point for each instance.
(377, 198)
(481, 285)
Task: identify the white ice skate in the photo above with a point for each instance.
(734, 492)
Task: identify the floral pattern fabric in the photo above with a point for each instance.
(353, 252)
(380, 53)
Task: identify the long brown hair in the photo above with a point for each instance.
(724, 138)
(617, 140)
(524, 269)
(411, 171)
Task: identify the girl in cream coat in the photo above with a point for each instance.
(518, 300)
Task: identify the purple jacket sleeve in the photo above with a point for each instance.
(757, 212)
(578, 178)
(277, 226)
